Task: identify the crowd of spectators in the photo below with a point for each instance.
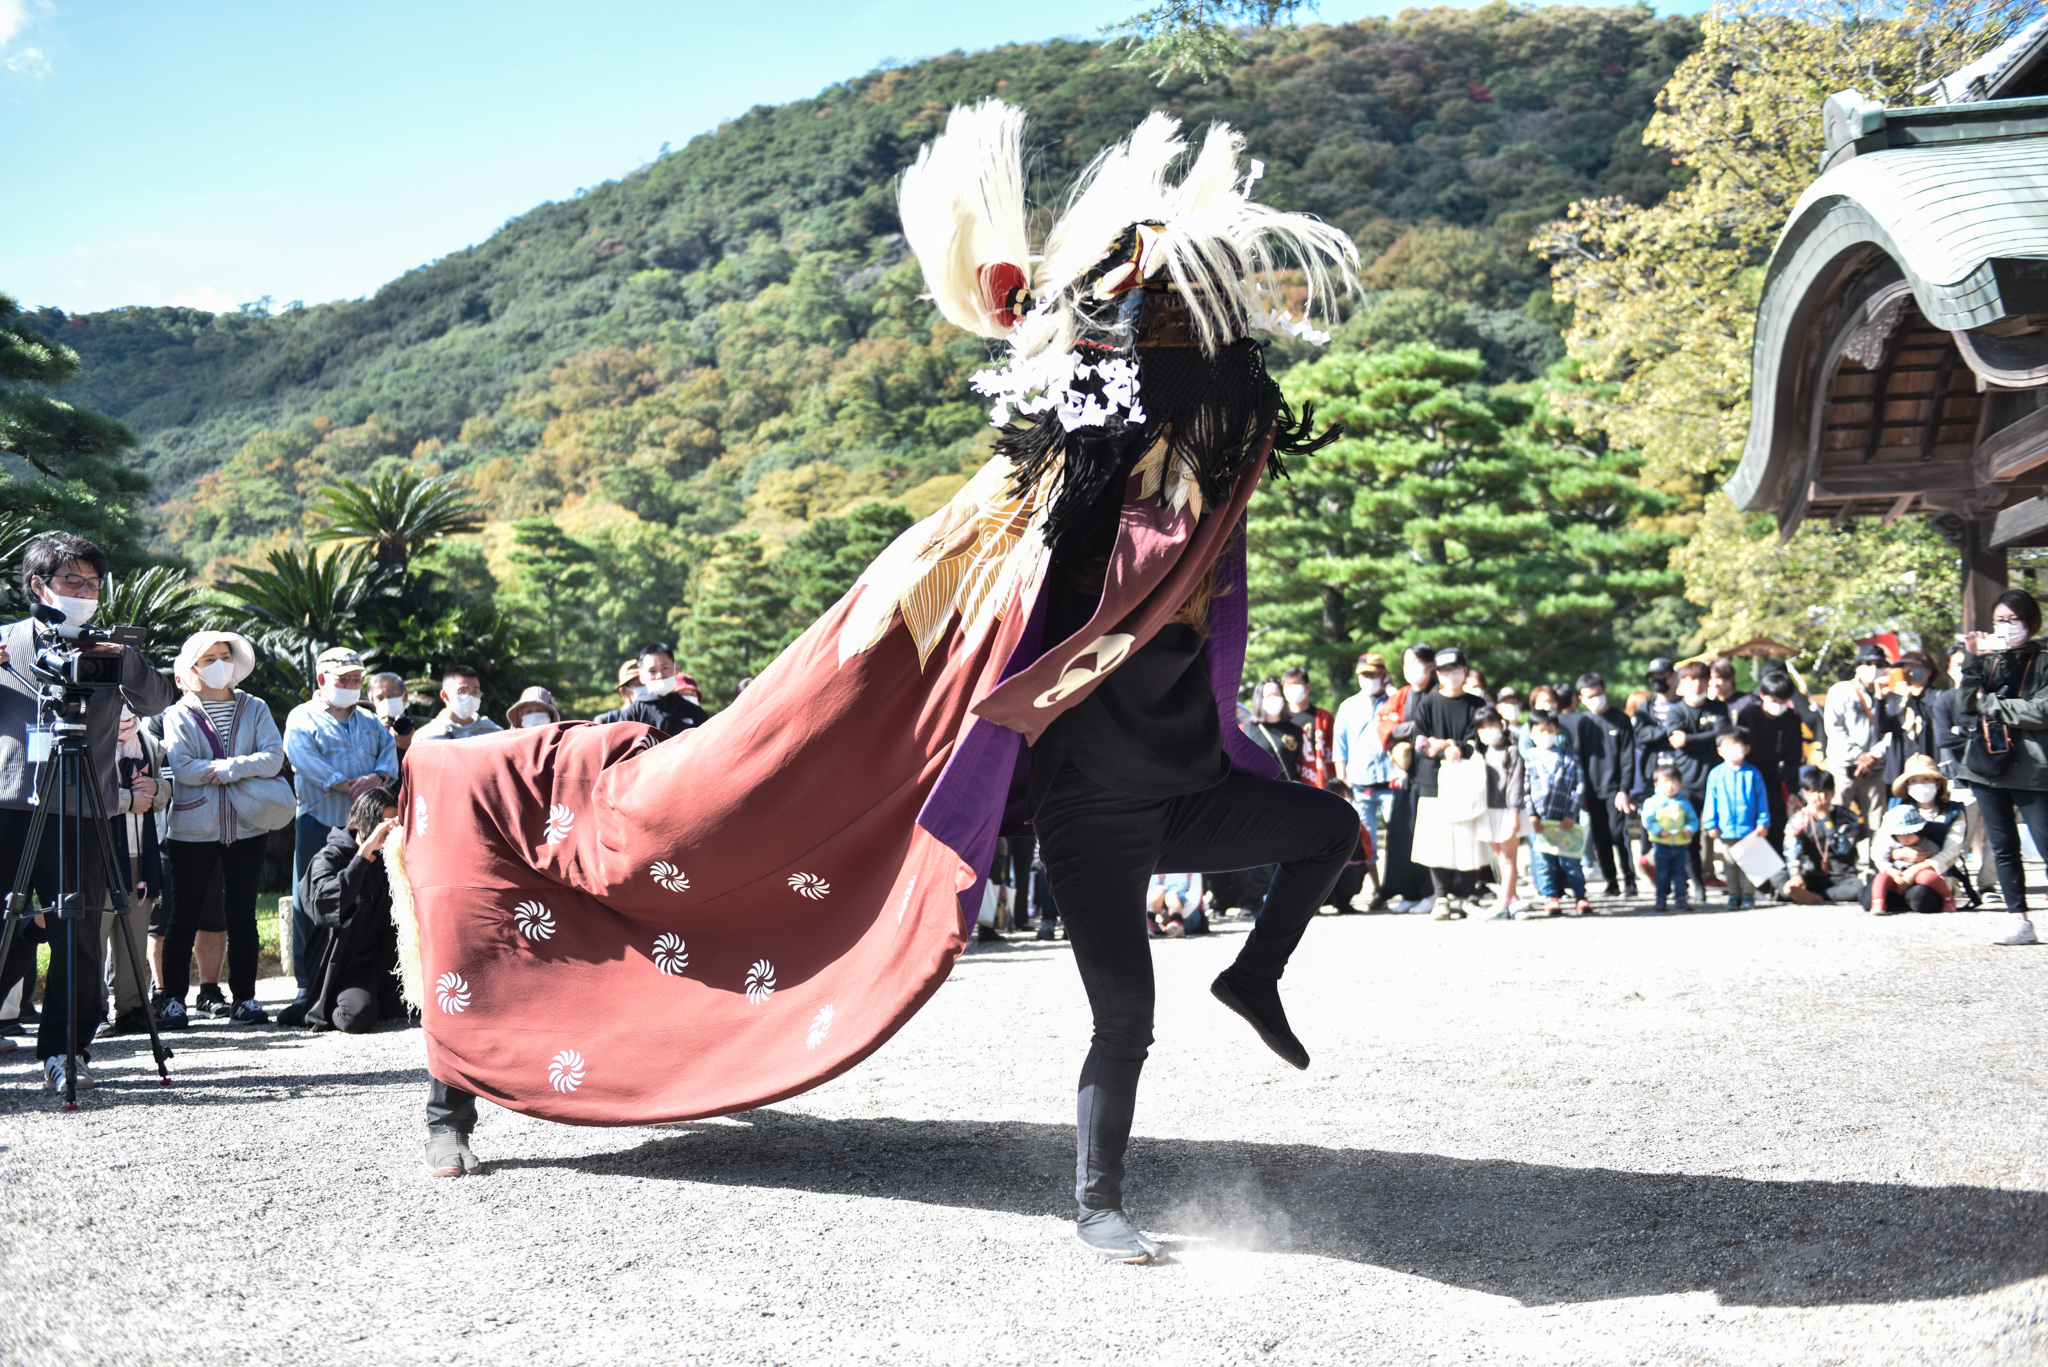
(1879, 790)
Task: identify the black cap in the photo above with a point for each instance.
(1660, 665)
(1450, 657)
(1872, 655)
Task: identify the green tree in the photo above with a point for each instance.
(822, 562)
(86, 484)
(1192, 37)
(1449, 514)
(302, 604)
(729, 624)
(555, 572)
(164, 601)
(396, 514)
(1664, 296)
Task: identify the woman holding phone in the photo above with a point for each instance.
(2002, 707)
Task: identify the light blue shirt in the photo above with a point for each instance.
(325, 751)
(1358, 746)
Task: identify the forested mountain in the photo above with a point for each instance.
(731, 334)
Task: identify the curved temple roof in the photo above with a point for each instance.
(1951, 201)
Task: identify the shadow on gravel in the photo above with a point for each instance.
(1534, 1232)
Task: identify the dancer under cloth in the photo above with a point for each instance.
(713, 927)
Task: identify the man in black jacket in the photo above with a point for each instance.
(1683, 727)
(1777, 744)
(348, 891)
(1606, 746)
(655, 699)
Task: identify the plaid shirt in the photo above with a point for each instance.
(1553, 786)
(324, 752)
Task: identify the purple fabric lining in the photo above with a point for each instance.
(1223, 653)
(964, 810)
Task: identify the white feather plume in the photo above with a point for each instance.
(962, 206)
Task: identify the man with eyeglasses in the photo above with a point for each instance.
(657, 700)
(66, 573)
(338, 752)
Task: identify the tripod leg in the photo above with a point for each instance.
(117, 894)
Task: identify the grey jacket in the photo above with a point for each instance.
(445, 727)
(254, 750)
(145, 691)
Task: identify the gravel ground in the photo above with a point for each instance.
(1790, 1135)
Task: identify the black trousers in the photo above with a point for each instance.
(192, 866)
(449, 1108)
(74, 945)
(1100, 848)
(2002, 809)
(1607, 834)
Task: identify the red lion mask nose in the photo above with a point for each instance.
(1004, 291)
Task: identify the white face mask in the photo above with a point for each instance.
(1372, 686)
(216, 674)
(1546, 740)
(1922, 792)
(661, 688)
(342, 697)
(1296, 695)
(463, 706)
(1451, 680)
(1773, 708)
(532, 719)
(1597, 703)
(641, 693)
(391, 707)
(1491, 735)
(1413, 672)
(2012, 633)
(1866, 674)
(1509, 712)
(1272, 708)
(77, 611)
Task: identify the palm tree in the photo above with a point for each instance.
(303, 603)
(397, 513)
(163, 601)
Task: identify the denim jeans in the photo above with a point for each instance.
(1554, 873)
(1673, 865)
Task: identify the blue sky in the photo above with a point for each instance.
(208, 152)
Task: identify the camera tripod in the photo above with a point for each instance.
(68, 783)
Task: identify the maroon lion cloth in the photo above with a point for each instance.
(722, 919)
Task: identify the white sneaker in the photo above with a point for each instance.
(1420, 906)
(2022, 934)
(1509, 909)
(7, 1045)
(86, 1081)
(53, 1074)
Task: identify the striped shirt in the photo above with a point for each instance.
(222, 715)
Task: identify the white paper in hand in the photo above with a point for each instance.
(1753, 853)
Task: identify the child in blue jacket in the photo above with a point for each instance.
(1737, 806)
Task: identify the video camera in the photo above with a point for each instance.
(82, 657)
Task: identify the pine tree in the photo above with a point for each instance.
(729, 626)
(1448, 514)
(86, 484)
(822, 562)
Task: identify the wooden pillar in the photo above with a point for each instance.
(1984, 573)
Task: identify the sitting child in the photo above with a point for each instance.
(1173, 905)
(1907, 854)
